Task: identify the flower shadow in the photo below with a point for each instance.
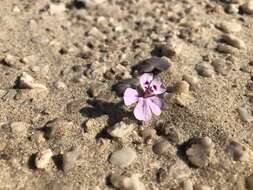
(115, 112)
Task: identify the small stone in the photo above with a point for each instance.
(192, 80)
(172, 48)
(249, 182)
(163, 147)
(43, 158)
(41, 69)
(96, 33)
(245, 115)
(27, 82)
(205, 70)
(2, 93)
(201, 187)
(232, 9)
(221, 67)
(233, 41)
(179, 171)
(250, 86)
(172, 134)
(123, 157)
(10, 95)
(121, 129)
(19, 128)
(127, 183)
(230, 26)
(187, 185)
(182, 87)
(148, 133)
(251, 63)
(247, 7)
(31, 60)
(56, 127)
(96, 89)
(57, 9)
(35, 94)
(183, 100)
(11, 60)
(70, 159)
(200, 152)
(222, 48)
(161, 175)
(237, 151)
(60, 85)
(153, 64)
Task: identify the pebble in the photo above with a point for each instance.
(57, 9)
(148, 133)
(70, 159)
(2, 93)
(127, 183)
(27, 82)
(179, 171)
(56, 127)
(11, 60)
(19, 128)
(201, 187)
(123, 157)
(171, 49)
(200, 152)
(34, 94)
(192, 80)
(249, 182)
(245, 115)
(182, 87)
(250, 86)
(237, 151)
(205, 70)
(41, 69)
(247, 7)
(96, 89)
(187, 185)
(221, 66)
(96, 33)
(75, 106)
(31, 60)
(163, 147)
(10, 94)
(43, 158)
(233, 41)
(153, 64)
(232, 9)
(60, 85)
(172, 134)
(230, 26)
(183, 100)
(223, 48)
(161, 175)
(121, 129)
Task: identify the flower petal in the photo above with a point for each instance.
(130, 96)
(157, 86)
(142, 110)
(145, 80)
(155, 104)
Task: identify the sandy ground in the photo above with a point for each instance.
(58, 62)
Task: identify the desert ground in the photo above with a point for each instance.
(65, 64)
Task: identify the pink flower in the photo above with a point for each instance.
(148, 102)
